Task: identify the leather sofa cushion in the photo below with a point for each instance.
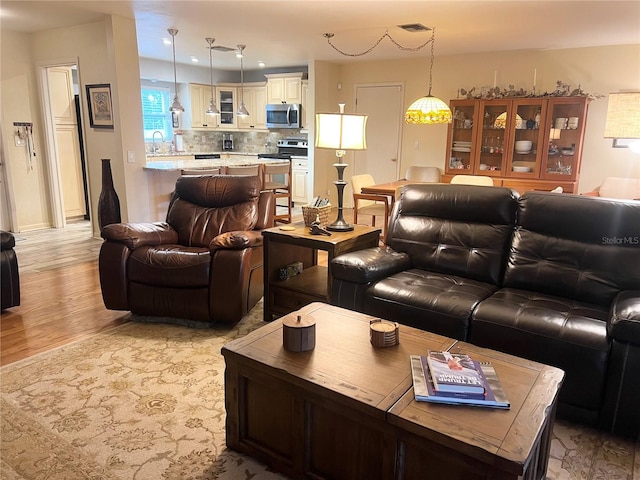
(458, 231)
(436, 302)
(170, 265)
(575, 247)
(565, 333)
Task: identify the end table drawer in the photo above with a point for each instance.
(288, 300)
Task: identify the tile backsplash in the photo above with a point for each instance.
(200, 141)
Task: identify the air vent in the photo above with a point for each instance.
(414, 27)
(220, 48)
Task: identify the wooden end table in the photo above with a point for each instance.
(283, 247)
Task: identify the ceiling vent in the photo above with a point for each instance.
(220, 48)
(414, 27)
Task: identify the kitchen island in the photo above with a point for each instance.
(164, 170)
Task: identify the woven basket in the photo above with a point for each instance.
(310, 214)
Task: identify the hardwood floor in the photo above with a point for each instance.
(60, 291)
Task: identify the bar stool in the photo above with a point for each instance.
(280, 186)
(200, 171)
(250, 170)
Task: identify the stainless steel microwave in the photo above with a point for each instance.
(284, 115)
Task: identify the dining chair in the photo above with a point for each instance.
(276, 177)
(419, 173)
(472, 180)
(367, 204)
(250, 170)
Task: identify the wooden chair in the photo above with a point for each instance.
(472, 180)
(276, 177)
(418, 173)
(365, 204)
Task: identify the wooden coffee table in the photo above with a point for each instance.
(345, 410)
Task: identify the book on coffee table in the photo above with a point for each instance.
(454, 373)
(493, 395)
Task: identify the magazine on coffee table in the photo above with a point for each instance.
(493, 396)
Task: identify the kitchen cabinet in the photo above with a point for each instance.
(284, 87)
(307, 119)
(228, 106)
(255, 99)
(301, 185)
(200, 95)
(514, 141)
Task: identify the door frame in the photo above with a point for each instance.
(49, 130)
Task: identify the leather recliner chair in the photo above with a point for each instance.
(205, 263)
(10, 281)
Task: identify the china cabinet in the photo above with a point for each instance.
(532, 143)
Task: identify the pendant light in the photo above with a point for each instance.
(242, 111)
(175, 106)
(428, 110)
(213, 109)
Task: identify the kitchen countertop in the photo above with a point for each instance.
(171, 163)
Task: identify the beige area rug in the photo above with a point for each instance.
(146, 401)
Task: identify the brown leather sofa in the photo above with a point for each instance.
(10, 278)
(550, 277)
(205, 263)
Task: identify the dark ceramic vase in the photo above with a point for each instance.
(109, 203)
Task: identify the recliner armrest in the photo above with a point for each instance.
(135, 235)
(369, 265)
(236, 240)
(624, 317)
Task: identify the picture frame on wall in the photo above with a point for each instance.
(99, 101)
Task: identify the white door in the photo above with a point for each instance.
(384, 106)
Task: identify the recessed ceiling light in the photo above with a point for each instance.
(166, 41)
(260, 63)
(194, 59)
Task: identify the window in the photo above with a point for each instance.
(155, 112)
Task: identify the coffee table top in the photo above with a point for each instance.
(346, 368)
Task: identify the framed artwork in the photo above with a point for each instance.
(99, 101)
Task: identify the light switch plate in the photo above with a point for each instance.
(131, 156)
(20, 142)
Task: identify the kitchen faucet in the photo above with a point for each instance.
(153, 141)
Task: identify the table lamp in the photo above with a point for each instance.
(341, 132)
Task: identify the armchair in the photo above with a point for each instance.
(205, 263)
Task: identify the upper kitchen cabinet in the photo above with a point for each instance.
(200, 95)
(307, 119)
(284, 87)
(255, 99)
(228, 106)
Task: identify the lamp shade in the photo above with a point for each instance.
(623, 115)
(428, 110)
(341, 131)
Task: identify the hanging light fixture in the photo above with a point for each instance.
(428, 110)
(213, 109)
(175, 106)
(242, 111)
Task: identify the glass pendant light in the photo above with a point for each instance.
(175, 106)
(428, 110)
(213, 109)
(242, 111)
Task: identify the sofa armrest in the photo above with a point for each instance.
(369, 265)
(236, 240)
(135, 235)
(624, 317)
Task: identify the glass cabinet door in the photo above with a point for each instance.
(227, 106)
(566, 119)
(527, 139)
(495, 117)
(461, 137)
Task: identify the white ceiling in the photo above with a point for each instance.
(289, 33)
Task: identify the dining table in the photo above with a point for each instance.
(389, 189)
